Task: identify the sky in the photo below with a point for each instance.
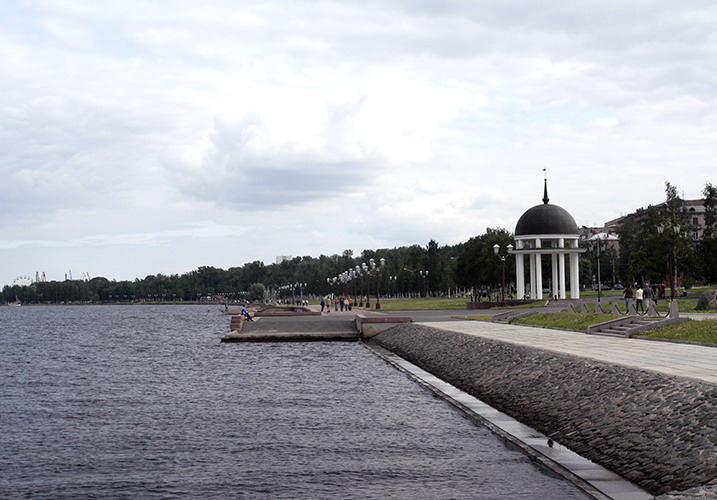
(139, 138)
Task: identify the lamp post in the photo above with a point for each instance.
(671, 257)
(365, 273)
(496, 250)
(367, 270)
(343, 278)
(599, 284)
(378, 282)
(357, 270)
(392, 280)
(424, 275)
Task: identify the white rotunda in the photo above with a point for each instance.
(547, 230)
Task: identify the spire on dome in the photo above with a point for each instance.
(545, 193)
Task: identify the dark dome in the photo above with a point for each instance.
(546, 219)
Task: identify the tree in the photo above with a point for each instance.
(627, 232)
(477, 265)
(257, 292)
(708, 245)
(673, 222)
(432, 265)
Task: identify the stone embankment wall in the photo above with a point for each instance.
(657, 431)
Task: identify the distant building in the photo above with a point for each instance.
(282, 258)
(695, 211)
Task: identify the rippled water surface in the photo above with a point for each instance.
(145, 402)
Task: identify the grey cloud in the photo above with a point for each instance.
(272, 185)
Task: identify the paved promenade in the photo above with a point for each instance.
(685, 360)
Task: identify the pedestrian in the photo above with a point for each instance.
(627, 295)
(648, 294)
(639, 293)
(323, 304)
(336, 305)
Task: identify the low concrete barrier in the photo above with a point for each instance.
(369, 326)
(657, 431)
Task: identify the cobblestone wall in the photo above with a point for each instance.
(659, 432)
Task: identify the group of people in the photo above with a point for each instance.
(340, 304)
(642, 297)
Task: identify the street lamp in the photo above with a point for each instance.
(424, 275)
(378, 283)
(671, 258)
(598, 269)
(496, 250)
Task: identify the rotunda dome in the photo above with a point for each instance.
(546, 219)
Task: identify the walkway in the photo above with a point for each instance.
(684, 360)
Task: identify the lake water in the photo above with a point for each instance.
(145, 402)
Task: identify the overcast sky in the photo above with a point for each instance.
(151, 137)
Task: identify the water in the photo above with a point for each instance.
(145, 402)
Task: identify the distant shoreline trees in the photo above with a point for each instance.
(415, 270)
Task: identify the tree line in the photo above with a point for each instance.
(655, 246)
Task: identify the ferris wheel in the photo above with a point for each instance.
(23, 281)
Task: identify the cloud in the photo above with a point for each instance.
(360, 124)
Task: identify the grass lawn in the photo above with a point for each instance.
(484, 317)
(420, 303)
(573, 321)
(694, 330)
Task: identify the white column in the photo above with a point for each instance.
(538, 293)
(574, 276)
(519, 270)
(561, 265)
(520, 275)
(554, 268)
(532, 276)
(538, 276)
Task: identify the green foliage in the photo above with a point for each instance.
(478, 266)
(257, 292)
(708, 245)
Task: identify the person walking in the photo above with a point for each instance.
(639, 293)
(323, 304)
(627, 295)
(648, 294)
